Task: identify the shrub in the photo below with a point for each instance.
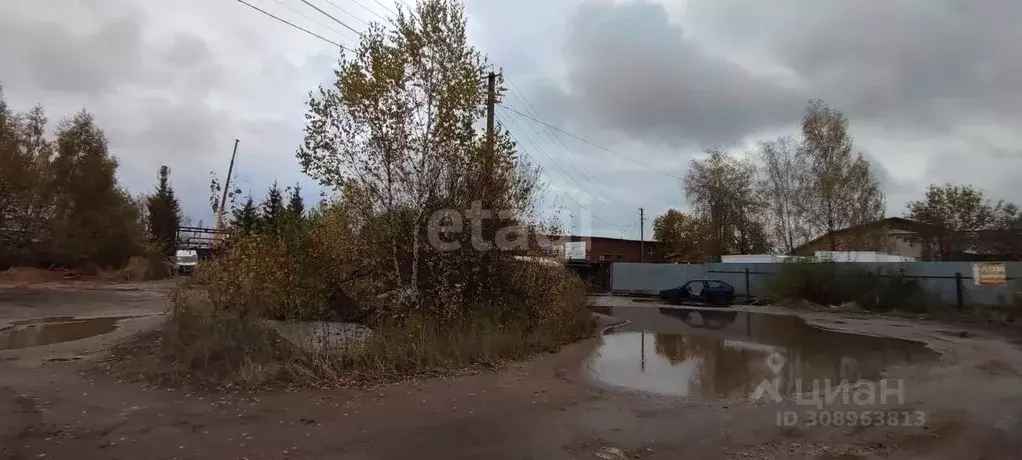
(233, 345)
(816, 282)
(221, 345)
(832, 283)
(153, 265)
(317, 274)
(301, 276)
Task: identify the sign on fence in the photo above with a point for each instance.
(575, 250)
(989, 274)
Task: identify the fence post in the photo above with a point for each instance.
(958, 289)
(748, 295)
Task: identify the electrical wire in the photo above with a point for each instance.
(587, 141)
(537, 147)
(331, 17)
(524, 150)
(567, 195)
(386, 7)
(382, 18)
(314, 20)
(347, 12)
(552, 136)
(622, 234)
(243, 2)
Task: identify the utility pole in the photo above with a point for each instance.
(491, 135)
(642, 235)
(491, 152)
(227, 185)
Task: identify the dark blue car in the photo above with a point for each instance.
(714, 292)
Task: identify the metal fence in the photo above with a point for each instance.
(949, 283)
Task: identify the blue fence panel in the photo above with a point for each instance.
(935, 278)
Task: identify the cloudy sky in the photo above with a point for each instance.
(932, 87)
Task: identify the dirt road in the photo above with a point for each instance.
(54, 405)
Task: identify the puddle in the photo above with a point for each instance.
(723, 353)
(51, 319)
(45, 331)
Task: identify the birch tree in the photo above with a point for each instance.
(395, 134)
(722, 190)
(843, 192)
(783, 185)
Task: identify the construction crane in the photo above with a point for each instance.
(221, 211)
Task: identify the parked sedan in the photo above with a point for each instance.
(713, 292)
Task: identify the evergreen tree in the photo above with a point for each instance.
(272, 210)
(295, 203)
(246, 218)
(164, 213)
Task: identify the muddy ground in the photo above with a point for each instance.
(54, 403)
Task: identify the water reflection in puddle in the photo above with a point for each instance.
(724, 354)
(45, 331)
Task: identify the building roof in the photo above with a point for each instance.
(605, 238)
(576, 238)
(898, 222)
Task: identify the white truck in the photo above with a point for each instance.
(185, 261)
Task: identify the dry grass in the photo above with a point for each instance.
(800, 284)
(30, 275)
(152, 267)
(220, 346)
(465, 310)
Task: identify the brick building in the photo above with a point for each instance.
(600, 253)
(601, 249)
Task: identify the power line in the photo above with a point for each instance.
(385, 7)
(536, 146)
(372, 10)
(624, 230)
(568, 195)
(587, 141)
(243, 2)
(524, 150)
(314, 20)
(554, 162)
(578, 168)
(347, 12)
(331, 17)
(396, 2)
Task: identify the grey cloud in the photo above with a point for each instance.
(187, 129)
(155, 76)
(174, 83)
(55, 59)
(897, 191)
(930, 64)
(630, 68)
(929, 71)
(187, 51)
(997, 177)
(733, 70)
